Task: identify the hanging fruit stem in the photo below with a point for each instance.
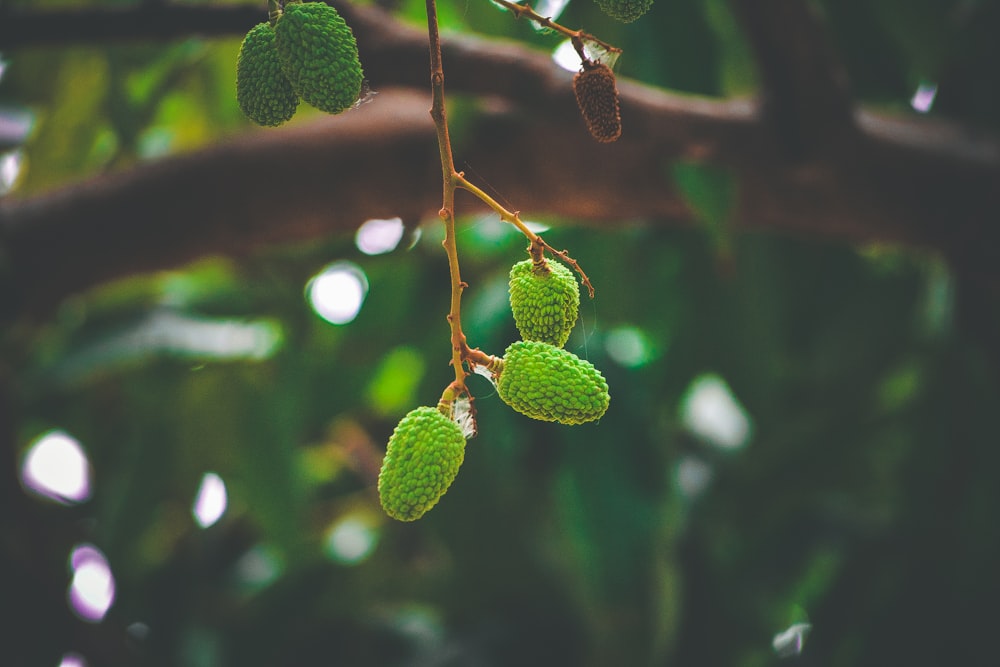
(538, 245)
(461, 353)
(447, 212)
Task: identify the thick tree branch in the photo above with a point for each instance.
(21, 28)
(919, 182)
(267, 187)
(329, 176)
(806, 97)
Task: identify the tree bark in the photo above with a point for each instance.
(913, 181)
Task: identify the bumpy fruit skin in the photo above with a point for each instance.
(319, 55)
(549, 383)
(625, 11)
(597, 96)
(264, 94)
(545, 303)
(422, 459)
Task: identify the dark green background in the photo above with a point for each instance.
(865, 501)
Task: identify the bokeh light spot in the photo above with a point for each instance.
(57, 467)
(566, 57)
(376, 237)
(791, 641)
(337, 292)
(210, 502)
(693, 476)
(351, 540)
(72, 660)
(536, 227)
(710, 411)
(92, 590)
(138, 631)
(10, 168)
(258, 568)
(628, 346)
(923, 98)
(550, 9)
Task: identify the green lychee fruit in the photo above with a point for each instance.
(264, 94)
(549, 383)
(423, 457)
(625, 11)
(319, 55)
(545, 301)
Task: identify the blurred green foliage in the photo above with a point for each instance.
(863, 501)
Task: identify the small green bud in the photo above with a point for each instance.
(544, 300)
(625, 11)
(549, 383)
(319, 55)
(423, 457)
(264, 94)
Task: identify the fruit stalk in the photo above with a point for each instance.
(452, 180)
(537, 245)
(577, 36)
(447, 212)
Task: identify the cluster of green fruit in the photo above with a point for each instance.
(536, 377)
(305, 52)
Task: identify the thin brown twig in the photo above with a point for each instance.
(514, 218)
(565, 257)
(577, 36)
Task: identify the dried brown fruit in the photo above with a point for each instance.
(597, 97)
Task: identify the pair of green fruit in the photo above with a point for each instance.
(536, 377)
(310, 53)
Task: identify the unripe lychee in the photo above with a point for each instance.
(423, 457)
(549, 383)
(597, 96)
(545, 300)
(319, 55)
(264, 94)
(625, 11)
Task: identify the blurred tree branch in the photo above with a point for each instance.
(920, 181)
(148, 20)
(806, 93)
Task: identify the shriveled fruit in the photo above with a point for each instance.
(549, 383)
(597, 96)
(545, 301)
(263, 92)
(423, 457)
(319, 55)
